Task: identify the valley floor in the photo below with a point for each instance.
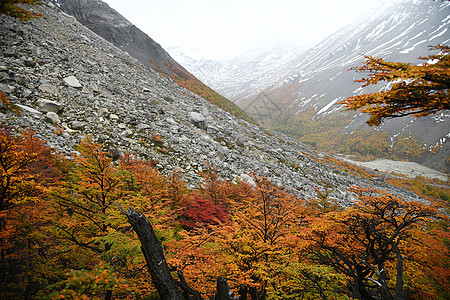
(409, 169)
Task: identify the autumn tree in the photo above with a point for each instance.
(417, 90)
(368, 242)
(85, 220)
(27, 166)
(215, 188)
(90, 227)
(253, 249)
(198, 211)
(87, 194)
(19, 183)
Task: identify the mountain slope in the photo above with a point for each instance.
(241, 76)
(398, 32)
(69, 82)
(301, 102)
(109, 24)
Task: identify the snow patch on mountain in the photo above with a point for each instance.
(241, 76)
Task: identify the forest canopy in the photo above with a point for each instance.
(63, 237)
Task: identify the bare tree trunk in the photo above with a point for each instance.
(187, 291)
(399, 284)
(154, 256)
(222, 290)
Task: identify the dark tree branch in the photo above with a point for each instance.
(187, 291)
(154, 255)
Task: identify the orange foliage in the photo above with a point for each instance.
(368, 243)
(26, 166)
(71, 241)
(250, 248)
(10, 7)
(5, 104)
(418, 90)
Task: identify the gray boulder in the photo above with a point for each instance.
(77, 125)
(197, 119)
(212, 129)
(49, 105)
(29, 110)
(47, 88)
(53, 117)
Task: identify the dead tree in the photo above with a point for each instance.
(222, 290)
(154, 256)
(168, 288)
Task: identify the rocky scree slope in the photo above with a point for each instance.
(109, 24)
(69, 82)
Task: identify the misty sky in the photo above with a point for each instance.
(233, 26)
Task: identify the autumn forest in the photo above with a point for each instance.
(64, 237)
(92, 224)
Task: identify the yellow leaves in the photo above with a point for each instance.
(9, 7)
(18, 179)
(417, 90)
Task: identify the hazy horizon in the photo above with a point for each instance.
(229, 28)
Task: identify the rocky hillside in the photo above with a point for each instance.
(109, 24)
(69, 82)
(301, 101)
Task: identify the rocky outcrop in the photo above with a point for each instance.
(130, 107)
(109, 24)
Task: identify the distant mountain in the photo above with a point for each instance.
(241, 76)
(109, 24)
(301, 100)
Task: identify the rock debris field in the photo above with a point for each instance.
(70, 83)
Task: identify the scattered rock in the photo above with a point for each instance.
(7, 89)
(49, 105)
(102, 112)
(114, 153)
(77, 125)
(72, 81)
(212, 129)
(53, 117)
(197, 119)
(29, 63)
(47, 88)
(29, 110)
(9, 53)
(90, 88)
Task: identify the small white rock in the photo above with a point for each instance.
(72, 81)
